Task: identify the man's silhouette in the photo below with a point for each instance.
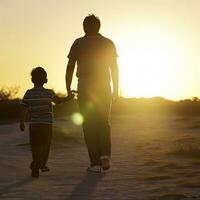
(96, 61)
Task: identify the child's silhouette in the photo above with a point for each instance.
(38, 102)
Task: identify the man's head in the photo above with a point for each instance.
(38, 76)
(91, 24)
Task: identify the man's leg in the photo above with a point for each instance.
(105, 138)
(92, 144)
(104, 132)
(90, 128)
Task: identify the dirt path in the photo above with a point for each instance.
(142, 166)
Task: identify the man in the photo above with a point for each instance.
(96, 61)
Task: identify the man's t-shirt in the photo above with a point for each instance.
(93, 54)
(39, 103)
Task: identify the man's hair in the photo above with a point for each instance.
(38, 76)
(91, 24)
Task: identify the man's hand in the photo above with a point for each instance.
(75, 93)
(70, 96)
(22, 126)
(115, 97)
(70, 93)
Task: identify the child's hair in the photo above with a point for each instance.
(38, 76)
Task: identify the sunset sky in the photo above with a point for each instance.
(158, 42)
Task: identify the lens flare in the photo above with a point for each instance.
(77, 118)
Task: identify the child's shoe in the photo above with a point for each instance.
(35, 173)
(44, 169)
(31, 165)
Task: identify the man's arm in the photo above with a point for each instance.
(115, 78)
(69, 74)
(23, 113)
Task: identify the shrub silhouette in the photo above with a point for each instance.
(9, 104)
(8, 93)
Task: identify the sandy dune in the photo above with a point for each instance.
(155, 157)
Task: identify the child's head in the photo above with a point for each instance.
(38, 76)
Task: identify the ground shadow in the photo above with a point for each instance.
(14, 185)
(86, 187)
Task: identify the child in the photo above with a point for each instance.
(38, 101)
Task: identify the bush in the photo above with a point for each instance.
(8, 93)
(9, 104)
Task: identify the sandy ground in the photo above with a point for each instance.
(155, 157)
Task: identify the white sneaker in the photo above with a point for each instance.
(95, 169)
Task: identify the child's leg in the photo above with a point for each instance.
(35, 142)
(47, 133)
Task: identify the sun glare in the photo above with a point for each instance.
(149, 65)
(77, 118)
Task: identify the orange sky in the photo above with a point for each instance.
(157, 41)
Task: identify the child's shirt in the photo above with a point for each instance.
(39, 102)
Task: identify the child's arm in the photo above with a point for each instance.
(23, 113)
(57, 100)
